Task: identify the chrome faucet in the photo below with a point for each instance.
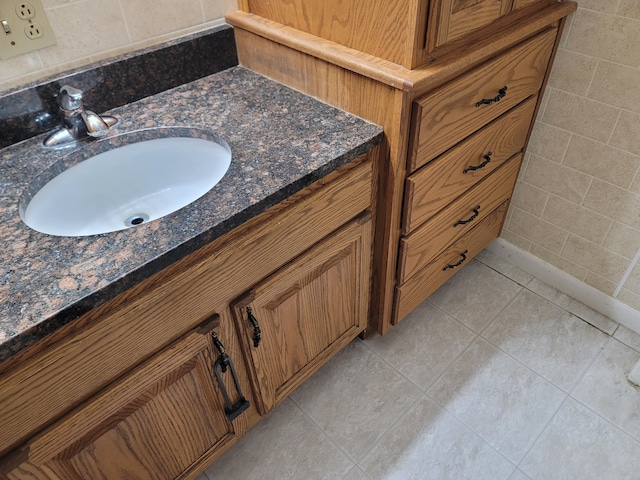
(77, 122)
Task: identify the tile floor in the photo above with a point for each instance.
(495, 376)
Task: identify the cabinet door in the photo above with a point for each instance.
(154, 423)
(305, 313)
(452, 19)
(523, 3)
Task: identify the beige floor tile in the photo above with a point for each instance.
(498, 398)
(475, 295)
(549, 340)
(356, 474)
(580, 445)
(355, 398)
(423, 345)
(628, 337)
(285, 445)
(429, 443)
(579, 309)
(606, 389)
(504, 267)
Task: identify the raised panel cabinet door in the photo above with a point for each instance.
(453, 19)
(523, 3)
(153, 424)
(392, 30)
(295, 320)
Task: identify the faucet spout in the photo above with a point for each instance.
(96, 126)
(78, 123)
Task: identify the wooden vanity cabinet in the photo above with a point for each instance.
(132, 390)
(457, 107)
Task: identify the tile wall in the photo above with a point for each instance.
(577, 202)
(92, 30)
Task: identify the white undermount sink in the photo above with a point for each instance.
(127, 185)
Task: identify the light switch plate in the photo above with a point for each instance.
(23, 28)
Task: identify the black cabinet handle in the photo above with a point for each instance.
(476, 212)
(224, 363)
(458, 263)
(488, 101)
(471, 168)
(257, 333)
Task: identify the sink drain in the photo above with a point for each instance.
(136, 219)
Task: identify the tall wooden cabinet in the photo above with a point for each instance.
(455, 84)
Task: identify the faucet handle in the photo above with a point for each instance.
(70, 98)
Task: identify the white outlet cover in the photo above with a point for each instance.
(20, 39)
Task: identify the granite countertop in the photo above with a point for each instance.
(281, 141)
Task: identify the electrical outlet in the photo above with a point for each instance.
(25, 11)
(25, 28)
(33, 31)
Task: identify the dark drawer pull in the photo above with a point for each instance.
(487, 159)
(476, 212)
(257, 334)
(458, 263)
(488, 101)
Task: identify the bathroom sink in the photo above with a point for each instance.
(125, 181)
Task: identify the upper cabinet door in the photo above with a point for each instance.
(392, 30)
(453, 19)
(524, 3)
(296, 319)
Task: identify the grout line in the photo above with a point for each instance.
(566, 148)
(378, 440)
(472, 430)
(635, 439)
(202, 15)
(391, 365)
(124, 21)
(626, 275)
(542, 432)
(615, 125)
(606, 235)
(322, 430)
(593, 75)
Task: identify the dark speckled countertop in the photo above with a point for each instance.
(281, 140)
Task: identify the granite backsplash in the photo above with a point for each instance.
(32, 110)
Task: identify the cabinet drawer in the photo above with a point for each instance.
(446, 116)
(412, 293)
(57, 379)
(440, 182)
(423, 245)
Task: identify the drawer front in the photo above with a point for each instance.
(446, 116)
(57, 379)
(422, 246)
(409, 295)
(436, 185)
